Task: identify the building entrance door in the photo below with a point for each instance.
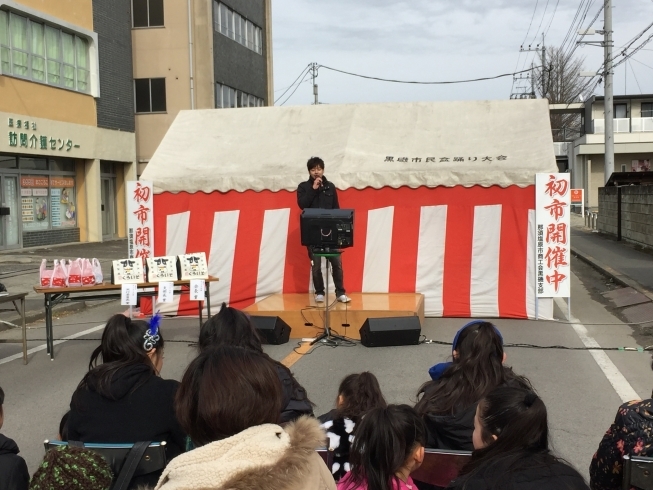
(108, 208)
(9, 212)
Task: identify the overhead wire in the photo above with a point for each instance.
(634, 75)
(293, 92)
(292, 84)
(423, 83)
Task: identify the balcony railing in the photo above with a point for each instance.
(625, 125)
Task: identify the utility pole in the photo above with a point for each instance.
(314, 75)
(608, 95)
(543, 69)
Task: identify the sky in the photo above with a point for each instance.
(438, 40)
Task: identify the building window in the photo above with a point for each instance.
(235, 26)
(42, 53)
(48, 194)
(147, 13)
(647, 109)
(150, 94)
(227, 97)
(620, 111)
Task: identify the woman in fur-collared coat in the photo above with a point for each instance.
(229, 403)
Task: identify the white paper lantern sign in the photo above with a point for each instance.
(127, 271)
(162, 269)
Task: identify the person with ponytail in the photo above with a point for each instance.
(357, 395)
(448, 402)
(388, 447)
(122, 399)
(233, 327)
(511, 447)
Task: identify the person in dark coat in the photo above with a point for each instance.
(448, 402)
(318, 192)
(511, 447)
(233, 327)
(358, 394)
(123, 399)
(13, 470)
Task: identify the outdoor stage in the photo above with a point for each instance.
(298, 309)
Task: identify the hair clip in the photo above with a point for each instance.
(152, 337)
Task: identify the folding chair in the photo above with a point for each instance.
(638, 472)
(327, 455)
(127, 461)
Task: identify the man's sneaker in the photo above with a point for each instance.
(343, 298)
(319, 298)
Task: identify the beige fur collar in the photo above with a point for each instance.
(261, 457)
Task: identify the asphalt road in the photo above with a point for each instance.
(580, 399)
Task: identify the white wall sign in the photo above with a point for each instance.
(166, 292)
(193, 266)
(140, 219)
(162, 268)
(128, 295)
(197, 289)
(553, 234)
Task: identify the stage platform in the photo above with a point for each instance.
(298, 309)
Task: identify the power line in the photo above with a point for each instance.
(552, 17)
(290, 86)
(425, 83)
(541, 20)
(647, 66)
(631, 69)
(293, 92)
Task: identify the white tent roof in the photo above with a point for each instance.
(363, 145)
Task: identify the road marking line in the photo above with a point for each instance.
(296, 354)
(56, 342)
(618, 381)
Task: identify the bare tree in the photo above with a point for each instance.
(558, 80)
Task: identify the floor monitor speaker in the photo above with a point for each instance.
(383, 332)
(271, 329)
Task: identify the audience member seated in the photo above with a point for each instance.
(631, 434)
(511, 447)
(388, 447)
(123, 399)
(233, 327)
(448, 403)
(63, 427)
(229, 403)
(72, 468)
(13, 470)
(357, 395)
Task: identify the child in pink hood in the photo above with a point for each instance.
(388, 446)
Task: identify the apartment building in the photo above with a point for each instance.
(633, 141)
(66, 109)
(197, 54)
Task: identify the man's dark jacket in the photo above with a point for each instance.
(13, 470)
(324, 197)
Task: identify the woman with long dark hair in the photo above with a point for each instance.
(511, 447)
(448, 403)
(358, 394)
(121, 398)
(229, 402)
(233, 327)
(388, 447)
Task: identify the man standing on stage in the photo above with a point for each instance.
(318, 192)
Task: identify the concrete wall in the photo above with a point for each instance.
(636, 213)
(112, 22)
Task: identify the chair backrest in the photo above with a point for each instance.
(327, 455)
(154, 458)
(638, 472)
(441, 466)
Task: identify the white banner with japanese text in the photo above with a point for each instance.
(553, 248)
(140, 219)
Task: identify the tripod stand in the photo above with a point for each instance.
(327, 336)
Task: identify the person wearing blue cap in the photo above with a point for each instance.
(448, 402)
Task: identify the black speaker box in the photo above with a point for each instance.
(271, 329)
(383, 332)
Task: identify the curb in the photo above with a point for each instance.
(617, 277)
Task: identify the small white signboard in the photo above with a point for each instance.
(128, 271)
(166, 292)
(193, 266)
(162, 269)
(128, 295)
(197, 289)
(553, 233)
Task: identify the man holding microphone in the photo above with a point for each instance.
(318, 192)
